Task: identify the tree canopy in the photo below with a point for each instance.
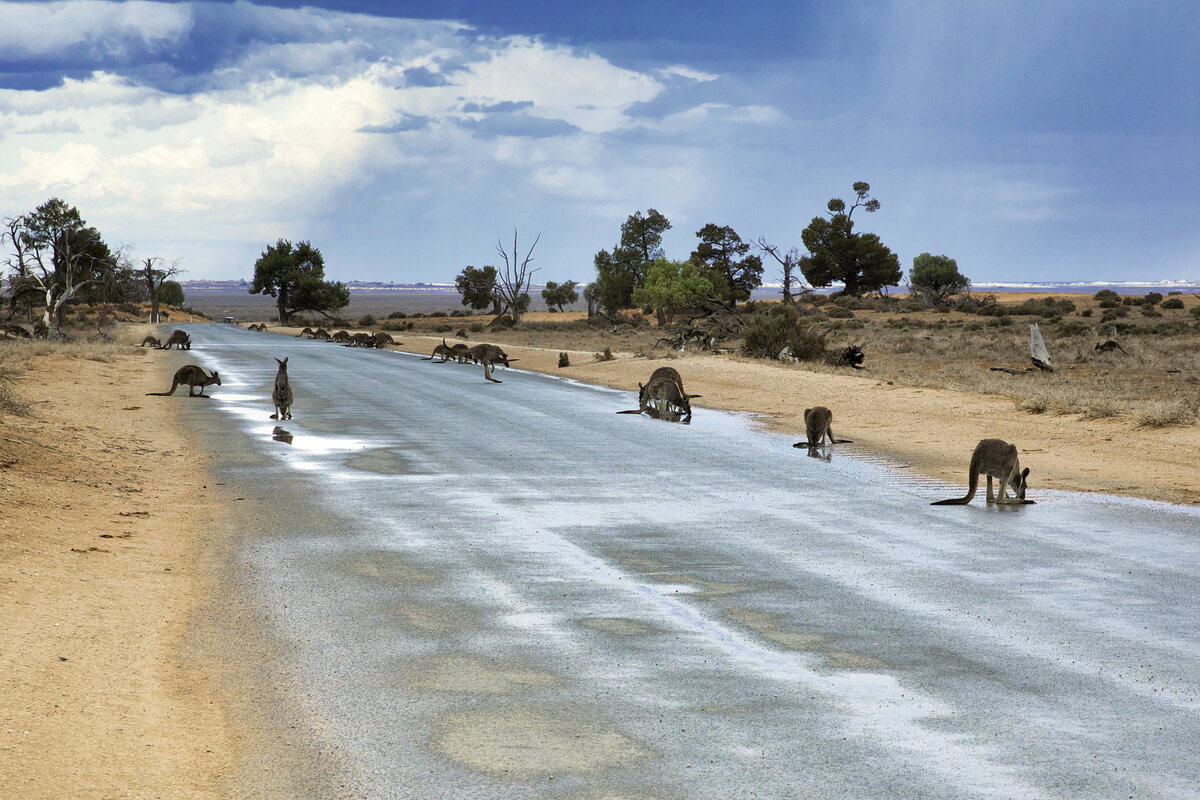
(621, 270)
(670, 286)
(722, 256)
(477, 285)
(295, 275)
(936, 278)
(559, 294)
(860, 261)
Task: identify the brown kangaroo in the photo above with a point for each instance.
(193, 376)
(361, 340)
(663, 397)
(670, 374)
(178, 338)
(307, 333)
(282, 396)
(382, 339)
(151, 341)
(321, 333)
(994, 458)
(340, 336)
(818, 424)
(489, 355)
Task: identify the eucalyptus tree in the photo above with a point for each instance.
(860, 261)
(295, 276)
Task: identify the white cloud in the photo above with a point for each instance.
(38, 29)
(267, 141)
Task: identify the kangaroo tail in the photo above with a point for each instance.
(956, 501)
(631, 411)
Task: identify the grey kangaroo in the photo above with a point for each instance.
(667, 374)
(489, 355)
(178, 338)
(994, 458)
(282, 396)
(151, 341)
(193, 376)
(818, 424)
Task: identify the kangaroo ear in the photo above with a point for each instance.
(1025, 473)
(640, 387)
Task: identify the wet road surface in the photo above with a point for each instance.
(510, 591)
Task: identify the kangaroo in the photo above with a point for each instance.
(663, 399)
(16, 332)
(994, 458)
(818, 422)
(193, 376)
(151, 341)
(670, 374)
(321, 333)
(489, 355)
(307, 333)
(178, 338)
(382, 339)
(340, 336)
(442, 350)
(282, 396)
(361, 340)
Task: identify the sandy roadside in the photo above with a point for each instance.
(105, 545)
(930, 432)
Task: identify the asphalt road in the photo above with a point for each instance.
(509, 591)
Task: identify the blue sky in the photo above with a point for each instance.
(1030, 141)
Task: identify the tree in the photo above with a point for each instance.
(477, 285)
(592, 297)
(170, 293)
(789, 261)
(65, 255)
(155, 280)
(936, 278)
(513, 285)
(858, 260)
(620, 271)
(722, 256)
(296, 277)
(670, 286)
(559, 294)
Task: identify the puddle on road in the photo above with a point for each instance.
(433, 620)
(388, 567)
(523, 742)
(621, 626)
(384, 461)
(469, 674)
(768, 625)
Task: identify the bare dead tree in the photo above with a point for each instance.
(154, 275)
(17, 262)
(789, 261)
(514, 282)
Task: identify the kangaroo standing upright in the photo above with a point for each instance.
(282, 394)
(193, 376)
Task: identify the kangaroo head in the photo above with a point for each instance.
(1018, 484)
(282, 364)
(216, 379)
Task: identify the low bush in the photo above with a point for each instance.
(1172, 303)
(563, 360)
(366, 321)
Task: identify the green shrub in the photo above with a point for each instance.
(1152, 298)
(1072, 328)
(839, 312)
(607, 355)
(1172, 303)
(563, 360)
(366, 321)
(1087, 312)
(397, 315)
(1106, 294)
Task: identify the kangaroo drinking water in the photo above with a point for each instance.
(818, 422)
(663, 397)
(151, 341)
(178, 338)
(281, 395)
(994, 458)
(193, 376)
